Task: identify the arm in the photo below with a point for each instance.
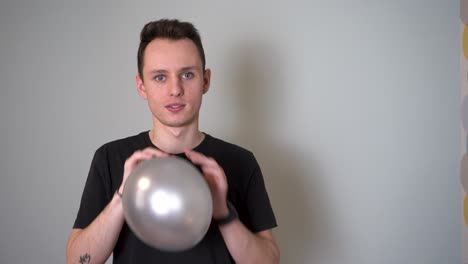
(246, 247)
(243, 245)
(95, 243)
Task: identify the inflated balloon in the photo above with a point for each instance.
(167, 203)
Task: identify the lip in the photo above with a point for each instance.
(175, 107)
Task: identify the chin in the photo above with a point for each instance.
(177, 124)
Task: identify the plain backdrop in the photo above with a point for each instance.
(351, 108)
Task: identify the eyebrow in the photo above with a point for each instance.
(166, 71)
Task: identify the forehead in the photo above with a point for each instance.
(171, 54)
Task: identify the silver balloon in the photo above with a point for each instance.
(167, 203)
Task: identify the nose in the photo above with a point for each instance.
(176, 88)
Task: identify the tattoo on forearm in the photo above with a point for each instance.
(86, 258)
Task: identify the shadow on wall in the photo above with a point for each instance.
(293, 181)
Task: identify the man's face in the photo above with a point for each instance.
(173, 81)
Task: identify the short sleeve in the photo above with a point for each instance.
(97, 191)
(258, 203)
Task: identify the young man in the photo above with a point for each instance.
(173, 79)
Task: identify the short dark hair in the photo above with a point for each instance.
(168, 29)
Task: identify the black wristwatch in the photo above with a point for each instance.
(232, 215)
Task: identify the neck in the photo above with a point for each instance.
(174, 140)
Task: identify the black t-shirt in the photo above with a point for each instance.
(246, 192)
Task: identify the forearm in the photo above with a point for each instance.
(95, 243)
(246, 247)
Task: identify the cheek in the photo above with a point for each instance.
(154, 94)
(194, 91)
(197, 101)
(154, 100)
(194, 95)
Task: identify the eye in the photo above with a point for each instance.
(159, 78)
(187, 75)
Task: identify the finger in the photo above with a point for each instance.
(155, 152)
(212, 172)
(137, 156)
(200, 159)
(145, 154)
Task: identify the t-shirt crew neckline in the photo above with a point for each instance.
(196, 148)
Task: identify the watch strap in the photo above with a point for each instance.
(231, 216)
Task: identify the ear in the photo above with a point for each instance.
(140, 87)
(206, 80)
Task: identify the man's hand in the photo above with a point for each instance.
(216, 179)
(136, 158)
(243, 245)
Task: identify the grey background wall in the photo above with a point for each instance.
(350, 107)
